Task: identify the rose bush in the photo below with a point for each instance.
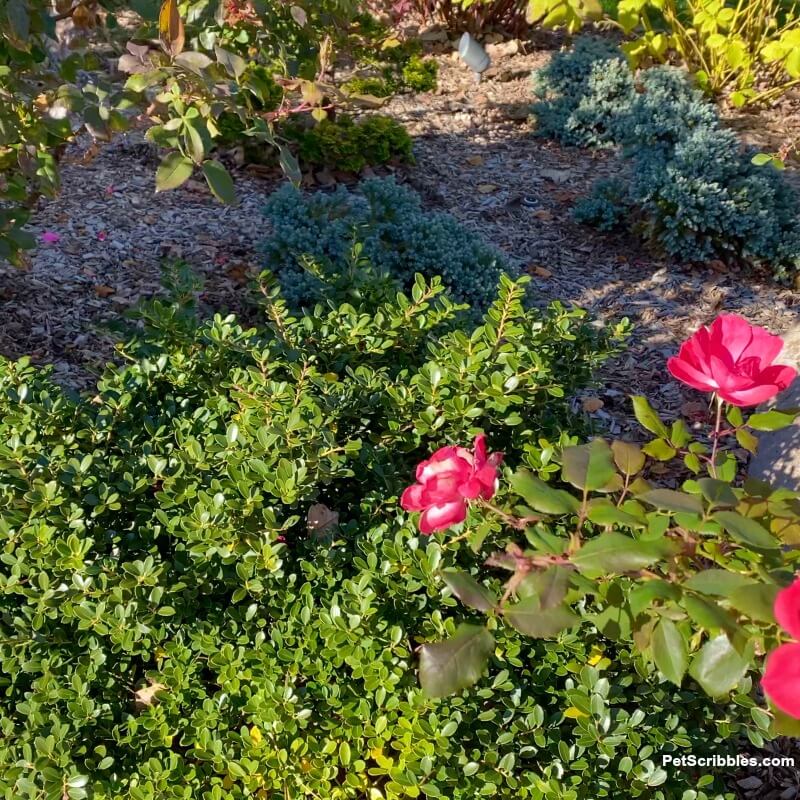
(781, 680)
(687, 577)
(734, 359)
(448, 481)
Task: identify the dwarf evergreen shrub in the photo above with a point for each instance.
(606, 207)
(572, 88)
(318, 232)
(175, 621)
(690, 187)
(349, 145)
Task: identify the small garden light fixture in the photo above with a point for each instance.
(473, 55)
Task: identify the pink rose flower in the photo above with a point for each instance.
(447, 481)
(734, 359)
(781, 681)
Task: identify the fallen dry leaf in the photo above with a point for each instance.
(487, 188)
(694, 409)
(564, 196)
(146, 695)
(320, 518)
(476, 161)
(238, 274)
(592, 404)
(541, 272)
(543, 214)
(104, 291)
(556, 175)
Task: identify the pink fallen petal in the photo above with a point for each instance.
(50, 237)
(102, 236)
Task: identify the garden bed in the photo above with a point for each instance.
(103, 245)
(476, 158)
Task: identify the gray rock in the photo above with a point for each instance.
(778, 458)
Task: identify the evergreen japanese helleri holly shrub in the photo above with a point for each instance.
(206, 590)
(317, 232)
(350, 145)
(688, 577)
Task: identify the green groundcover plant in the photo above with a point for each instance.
(319, 235)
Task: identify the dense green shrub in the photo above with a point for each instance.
(155, 535)
(348, 145)
(691, 187)
(568, 99)
(606, 207)
(395, 65)
(420, 74)
(318, 231)
(709, 201)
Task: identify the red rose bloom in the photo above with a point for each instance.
(734, 359)
(781, 681)
(447, 481)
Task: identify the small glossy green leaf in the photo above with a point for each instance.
(235, 65)
(628, 457)
(718, 493)
(529, 618)
(660, 449)
(175, 169)
(193, 61)
(756, 600)
(549, 585)
(717, 582)
(468, 590)
(615, 552)
(772, 420)
(654, 589)
(648, 417)
(747, 440)
(602, 511)
(219, 181)
(542, 497)
(671, 500)
(746, 531)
